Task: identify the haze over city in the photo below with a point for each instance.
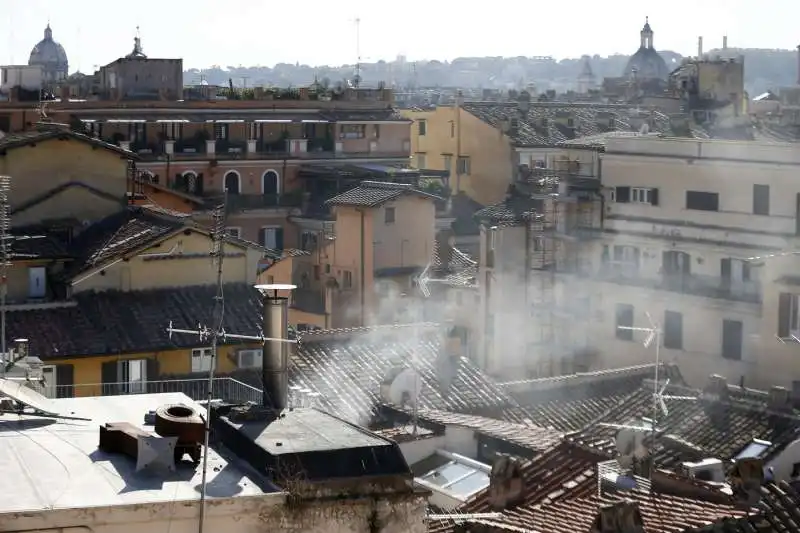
(240, 32)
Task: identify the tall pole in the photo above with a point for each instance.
(5, 242)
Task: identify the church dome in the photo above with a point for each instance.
(647, 62)
(50, 55)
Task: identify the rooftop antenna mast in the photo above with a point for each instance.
(216, 333)
(357, 77)
(5, 262)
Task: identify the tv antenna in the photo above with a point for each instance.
(631, 439)
(424, 280)
(215, 333)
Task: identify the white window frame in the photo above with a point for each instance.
(277, 180)
(261, 232)
(202, 359)
(133, 373)
(447, 162)
(234, 231)
(255, 353)
(641, 195)
(422, 160)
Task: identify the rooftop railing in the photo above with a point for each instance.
(223, 388)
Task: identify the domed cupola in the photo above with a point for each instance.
(51, 56)
(646, 62)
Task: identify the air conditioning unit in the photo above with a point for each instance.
(706, 470)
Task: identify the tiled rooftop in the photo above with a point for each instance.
(113, 322)
(696, 429)
(376, 193)
(569, 403)
(544, 124)
(525, 435)
(29, 138)
(346, 367)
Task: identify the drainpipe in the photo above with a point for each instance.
(362, 281)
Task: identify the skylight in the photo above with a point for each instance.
(754, 450)
(458, 478)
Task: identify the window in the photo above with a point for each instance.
(734, 271)
(388, 215)
(271, 237)
(37, 282)
(702, 201)
(463, 166)
(789, 316)
(634, 195)
(422, 161)
(447, 161)
(347, 279)
(624, 321)
(732, 339)
(249, 358)
(308, 240)
(353, 131)
(761, 199)
(234, 232)
(202, 358)
(220, 131)
(233, 183)
(422, 127)
(675, 262)
(641, 195)
(133, 375)
(673, 330)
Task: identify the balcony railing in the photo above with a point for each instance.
(190, 146)
(694, 284)
(228, 146)
(223, 388)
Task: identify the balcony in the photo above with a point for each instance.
(230, 147)
(690, 284)
(223, 388)
(241, 202)
(189, 146)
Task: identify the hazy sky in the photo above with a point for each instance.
(264, 32)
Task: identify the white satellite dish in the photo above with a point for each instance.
(631, 447)
(404, 389)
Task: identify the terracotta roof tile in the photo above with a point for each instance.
(570, 402)
(525, 435)
(714, 428)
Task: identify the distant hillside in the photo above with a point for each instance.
(764, 69)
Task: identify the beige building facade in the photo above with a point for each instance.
(681, 221)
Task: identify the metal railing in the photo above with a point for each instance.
(223, 388)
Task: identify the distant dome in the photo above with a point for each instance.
(51, 56)
(647, 62)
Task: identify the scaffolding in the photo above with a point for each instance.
(565, 212)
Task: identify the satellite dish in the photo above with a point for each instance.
(404, 388)
(631, 447)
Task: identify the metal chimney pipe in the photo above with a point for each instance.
(724, 42)
(275, 354)
(700, 47)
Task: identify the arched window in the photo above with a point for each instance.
(270, 182)
(233, 182)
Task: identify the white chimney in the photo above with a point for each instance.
(724, 42)
(700, 47)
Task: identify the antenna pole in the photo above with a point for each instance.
(5, 260)
(218, 253)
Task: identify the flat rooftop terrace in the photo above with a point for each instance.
(51, 464)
